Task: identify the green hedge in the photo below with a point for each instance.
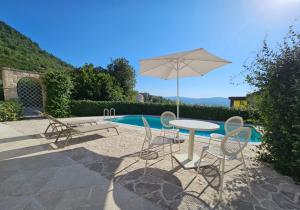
(95, 108)
(59, 86)
(10, 110)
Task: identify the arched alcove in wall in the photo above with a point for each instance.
(30, 94)
(27, 87)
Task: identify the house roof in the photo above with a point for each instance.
(237, 98)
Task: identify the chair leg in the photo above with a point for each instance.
(58, 136)
(222, 166)
(142, 147)
(171, 153)
(163, 148)
(200, 159)
(246, 171)
(176, 136)
(68, 138)
(47, 128)
(146, 164)
(54, 129)
(117, 131)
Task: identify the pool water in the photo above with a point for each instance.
(154, 122)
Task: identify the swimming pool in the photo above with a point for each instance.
(154, 122)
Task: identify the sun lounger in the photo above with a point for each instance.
(55, 125)
(68, 130)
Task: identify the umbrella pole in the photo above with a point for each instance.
(177, 102)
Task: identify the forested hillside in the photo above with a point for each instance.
(18, 51)
(116, 82)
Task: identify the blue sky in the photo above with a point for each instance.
(90, 31)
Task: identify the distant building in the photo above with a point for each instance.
(238, 101)
(140, 98)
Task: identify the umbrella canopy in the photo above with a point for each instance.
(191, 63)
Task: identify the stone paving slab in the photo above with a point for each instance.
(103, 171)
(52, 180)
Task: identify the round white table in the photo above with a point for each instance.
(190, 160)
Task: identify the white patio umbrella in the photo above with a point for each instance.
(182, 64)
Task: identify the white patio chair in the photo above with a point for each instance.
(154, 141)
(231, 124)
(231, 148)
(168, 130)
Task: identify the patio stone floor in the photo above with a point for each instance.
(102, 170)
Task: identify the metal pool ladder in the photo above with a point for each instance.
(109, 113)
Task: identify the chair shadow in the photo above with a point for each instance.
(211, 176)
(19, 138)
(158, 186)
(14, 153)
(78, 140)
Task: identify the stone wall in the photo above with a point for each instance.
(11, 77)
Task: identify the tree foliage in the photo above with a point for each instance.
(58, 86)
(116, 83)
(10, 110)
(96, 84)
(276, 76)
(124, 73)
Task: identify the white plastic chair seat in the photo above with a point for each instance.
(216, 136)
(219, 154)
(215, 150)
(170, 131)
(175, 139)
(160, 140)
(180, 138)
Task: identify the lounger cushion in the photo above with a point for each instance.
(78, 122)
(85, 129)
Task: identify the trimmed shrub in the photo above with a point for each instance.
(95, 108)
(276, 76)
(59, 86)
(10, 110)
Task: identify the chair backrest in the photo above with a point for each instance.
(53, 119)
(233, 123)
(166, 117)
(235, 141)
(147, 129)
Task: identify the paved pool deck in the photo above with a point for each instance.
(102, 170)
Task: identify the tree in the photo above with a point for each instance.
(275, 74)
(124, 74)
(96, 84)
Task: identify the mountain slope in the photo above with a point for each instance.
(18, 51)
(214, 101)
